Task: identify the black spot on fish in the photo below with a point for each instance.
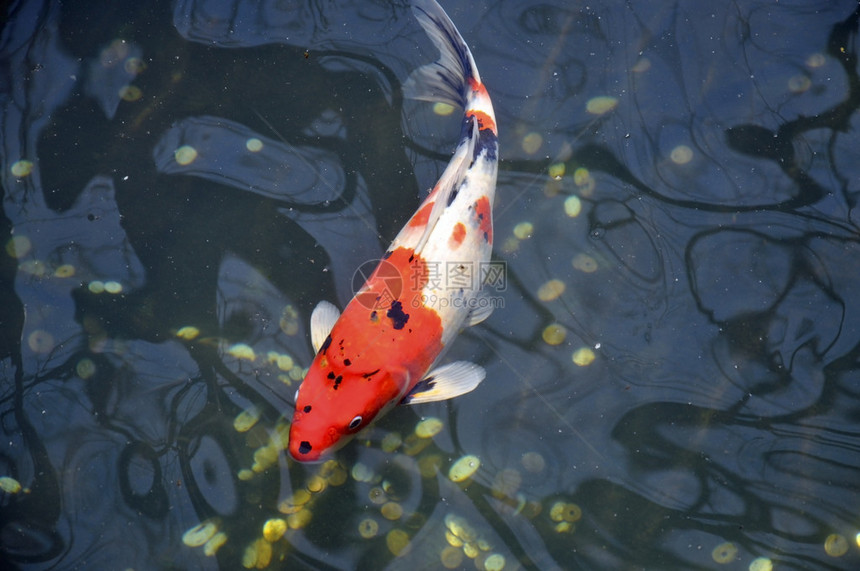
(387, 254)
(397, 315)
(423, 385)
(486, 237)
(347, 362)
(305, 447)
(374, 317)
(331, 375)
(453, 195)
(307, 408)
(325, 344)
(487, 142)
(370, 374)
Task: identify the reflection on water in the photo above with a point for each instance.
(673, 378)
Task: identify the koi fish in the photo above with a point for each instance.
(377, 354)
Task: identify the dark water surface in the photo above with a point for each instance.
(673, 382)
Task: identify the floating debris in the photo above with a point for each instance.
(524, 230)
(551, 290)
(96, 286)
(130, 93)
(601, 104)
(511, 244)
(506, 483)
(533, 462)
(532, 143)
(452, 557)
(391, 510)
(583, 356)
(397, 541)
(799, 83)
(41, 341)
(565, 512)
(413, 444)
(134, 66)
(295, 502)
(246, 419)
(188, 332)
(463, 468)
(460, 529)
(85, 368)
(836, 545)
(442, 109)
(299, 519)
(22, 168)
(361, 472)
(761, 564)
(282, 361)
(289, 321)
(642, 65)
(724, 552)
(334, 473)
(113, 287)
(368, 528)
(10, 485)
(316, 484)
(572, 206)
(564, 527)
(554, 334)
(391, 442)
(274, 529)
(254, 145)
(681, 155)
(212, 546)
(199, 534)
(428, 427)
(34, 268)
(377, 495)
(494, 562)
(18, 246)
(816, 60)
(429, 464)
(64, 271)
(556, 170)
(258, 555)
(584, 181)
(584, 263)
(242, 351)
(470, 550)
(185, 155)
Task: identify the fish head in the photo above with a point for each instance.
(334, 404)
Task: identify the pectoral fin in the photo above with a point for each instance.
(479, 314)
(322, 320)
(445, 382)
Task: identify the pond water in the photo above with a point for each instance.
(673, 377)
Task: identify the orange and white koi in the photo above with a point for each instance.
(377, 354)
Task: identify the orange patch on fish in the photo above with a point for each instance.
(457, 236)
(355, 366)
(484, 215)
(484, 120)
(421, 217)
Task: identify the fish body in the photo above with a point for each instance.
(381, 350)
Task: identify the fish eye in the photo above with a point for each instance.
(355, 423)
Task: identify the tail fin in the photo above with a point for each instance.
(446, 79)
